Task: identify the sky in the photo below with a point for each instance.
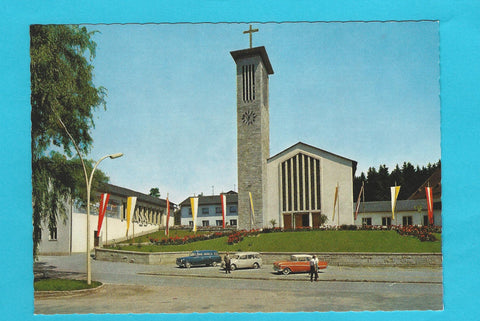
(365, 91)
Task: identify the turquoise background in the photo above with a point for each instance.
(460, 114)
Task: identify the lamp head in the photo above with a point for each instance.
(115, 155)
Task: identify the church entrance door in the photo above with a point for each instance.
(287, 221)
(301, 220)
(316, 220)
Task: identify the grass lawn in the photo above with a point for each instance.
(63, 285)
(309, 241)
(160, 235)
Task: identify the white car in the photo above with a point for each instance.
(243, 260)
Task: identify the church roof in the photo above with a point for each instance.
(301, 145)
(401, 206)
(250, 52)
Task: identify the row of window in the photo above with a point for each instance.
(52, 235)
(217, 223)
(218, 210)
(387, 220)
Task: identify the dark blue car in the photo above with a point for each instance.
(204, 257)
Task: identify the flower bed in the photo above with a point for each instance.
(423, 233)
(177, 240)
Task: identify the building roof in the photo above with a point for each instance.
(301, 145)
(231, 196)
(251, 52)
(401, 206)
(435, 182)
(125, 192)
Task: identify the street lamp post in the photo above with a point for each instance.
(88, 183)
(89, 186)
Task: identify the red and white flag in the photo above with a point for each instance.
(101, 211)
(223, 201)
(428, 191)
(168, 217)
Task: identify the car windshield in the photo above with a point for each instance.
(194, 254)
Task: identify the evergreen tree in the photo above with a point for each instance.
(378, 183)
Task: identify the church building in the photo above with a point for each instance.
(295, 186)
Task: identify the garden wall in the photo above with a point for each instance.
(333, 259)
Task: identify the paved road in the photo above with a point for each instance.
(135, 288)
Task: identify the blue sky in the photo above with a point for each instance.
(365, 91)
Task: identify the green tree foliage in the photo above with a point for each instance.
(61, 88)
(155, 192)
(378, 182)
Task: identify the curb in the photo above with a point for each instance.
(289, 279)
(49, 294)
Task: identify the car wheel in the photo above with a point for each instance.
(188, 265)
(256, 265)
(214, 264)
(286, 271)
(233, 267)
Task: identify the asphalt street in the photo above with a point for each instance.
(169, 289)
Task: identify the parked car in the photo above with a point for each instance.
(298, 263)
(245, 260)
(204, 257)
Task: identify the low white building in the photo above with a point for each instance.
(412, 211)
(69, 235)
(407, 212)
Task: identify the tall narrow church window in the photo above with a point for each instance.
(317, 167)
(295, 184)
(300, 181)
(284, 190)
(300, 184)
(248, 80)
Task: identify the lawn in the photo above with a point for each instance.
(309, 241)
(63, 285)
(161, 234)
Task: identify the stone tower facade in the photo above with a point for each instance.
(253, 134)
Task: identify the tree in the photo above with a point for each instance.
(378, 183)
(62, 90)
(155, 192)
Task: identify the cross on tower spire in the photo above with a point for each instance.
(251, 31)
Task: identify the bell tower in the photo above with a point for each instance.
(253, 133)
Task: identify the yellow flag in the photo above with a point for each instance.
(252, 211)
(131, 201)
(335, 202)
(194, 207)
(394, 190)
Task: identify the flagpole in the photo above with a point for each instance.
(363, 196)
(338, 206)
(106, 228)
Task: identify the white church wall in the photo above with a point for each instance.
(272, 201)
(337, 170)
(333, 169)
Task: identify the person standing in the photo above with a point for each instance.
(228, 265)
(313, 268)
